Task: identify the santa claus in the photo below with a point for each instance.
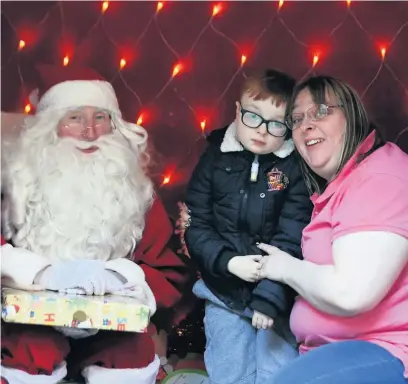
(82, 215)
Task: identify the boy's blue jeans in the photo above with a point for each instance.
(238, 353)
(345, 362)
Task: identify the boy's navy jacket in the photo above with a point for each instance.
(230, 214)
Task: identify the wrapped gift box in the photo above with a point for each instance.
(116, 313)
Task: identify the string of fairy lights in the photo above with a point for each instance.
(216, 10)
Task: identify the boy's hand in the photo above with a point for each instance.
(261, 321)
(247, 268)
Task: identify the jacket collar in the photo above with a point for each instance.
(230, 143)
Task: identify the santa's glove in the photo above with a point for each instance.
(111, 283)
(88, 277)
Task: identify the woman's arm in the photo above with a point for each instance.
(369, 248)
(366, 265)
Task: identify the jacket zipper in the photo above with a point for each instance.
(253, 177)
(242, 214)
(254, 169)
(265, 199)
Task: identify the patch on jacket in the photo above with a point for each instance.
(277, 180)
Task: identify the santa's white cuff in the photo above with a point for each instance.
(20, 266)
(128, 269)
(16, 376)
(99, 375)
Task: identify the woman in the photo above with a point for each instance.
(351, 316)
(352, 310)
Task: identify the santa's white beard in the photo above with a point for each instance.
(78, 205)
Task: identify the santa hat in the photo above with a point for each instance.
(70, 87)
(62, 88)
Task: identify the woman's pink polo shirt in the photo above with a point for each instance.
(372, 196)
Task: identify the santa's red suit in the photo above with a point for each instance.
(131, 240)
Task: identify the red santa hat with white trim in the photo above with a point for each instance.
(68, 87)
(63, 88)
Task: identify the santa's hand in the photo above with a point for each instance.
(87, 275)
(261, 321)
(112, 283)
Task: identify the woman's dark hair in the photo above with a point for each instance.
(358, 125)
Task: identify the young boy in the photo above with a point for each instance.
(247, 188)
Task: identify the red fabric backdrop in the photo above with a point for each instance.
(209, 43)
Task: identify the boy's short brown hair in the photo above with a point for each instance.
(262, 85)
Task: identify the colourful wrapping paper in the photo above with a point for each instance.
(116, 313)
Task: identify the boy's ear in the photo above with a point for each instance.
(238, 109)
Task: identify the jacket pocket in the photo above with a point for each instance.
(227, 181)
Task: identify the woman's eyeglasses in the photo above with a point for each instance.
(317, 112)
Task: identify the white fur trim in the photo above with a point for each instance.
(11, 124)
(128, 269)
(100, 375)
(34, 97)
(16, 376)
(20, 266)
(79, 93)
(230, 143)
(286, 149)
(135, 278)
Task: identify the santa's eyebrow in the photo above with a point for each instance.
(80, 109)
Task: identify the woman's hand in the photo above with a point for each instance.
(276, 265)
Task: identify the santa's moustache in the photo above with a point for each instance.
(84, 205)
